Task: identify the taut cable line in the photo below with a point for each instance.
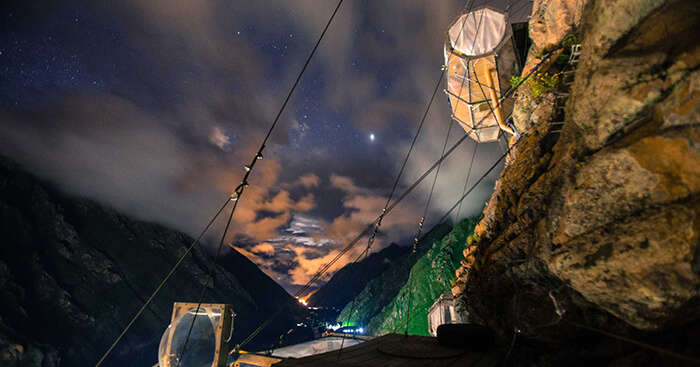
(419, 232)
(249, 169)
(235, 196)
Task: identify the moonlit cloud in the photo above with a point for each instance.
(309, 180)
(265, 248)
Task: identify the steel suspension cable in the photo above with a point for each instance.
(471, 189)
(403, 166)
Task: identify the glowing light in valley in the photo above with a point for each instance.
(371, 137)
(303, 301)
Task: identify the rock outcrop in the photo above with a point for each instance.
(72, 274)
(552, 20)
(601, 221)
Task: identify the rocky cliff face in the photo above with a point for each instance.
(72, 273)
(430, 277)
(601, 220)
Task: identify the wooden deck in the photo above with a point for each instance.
(395, 350)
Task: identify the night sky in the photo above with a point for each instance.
(153, 107)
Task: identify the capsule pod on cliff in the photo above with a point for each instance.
(481, 58)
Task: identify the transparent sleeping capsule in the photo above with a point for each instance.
(200, 348)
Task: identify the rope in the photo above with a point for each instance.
(481, 178)
(234, 197)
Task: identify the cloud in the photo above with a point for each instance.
(309, 180)
(265, 248)
(218, 138)
(381, 113)
(308, 264)
(346, 184)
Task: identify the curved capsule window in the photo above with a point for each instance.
(206, 344)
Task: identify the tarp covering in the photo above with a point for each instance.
(478, 32)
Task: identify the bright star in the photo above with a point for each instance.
(371, 137)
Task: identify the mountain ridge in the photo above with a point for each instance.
(73, 272)
(381, 290)
(347, 282)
